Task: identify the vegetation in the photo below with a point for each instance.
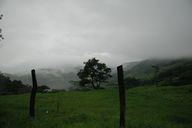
(159, 72)
(50, 77)
(143, 71)
(8, 86)
(146, 107)
(148, 72)
(131, 82)
(177, 75)
(43, 89)
(94, 73)
(12, 87)
(1, 36)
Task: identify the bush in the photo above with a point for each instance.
(12, 87)
(43, 89)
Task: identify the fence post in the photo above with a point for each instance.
(33, 94)
(121, 95)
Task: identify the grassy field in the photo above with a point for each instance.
(146, 107)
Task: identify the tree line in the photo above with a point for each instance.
(94, 73)
(8, 86)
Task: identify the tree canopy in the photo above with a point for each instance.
(43, 89)
(94, 73)
(8, 86)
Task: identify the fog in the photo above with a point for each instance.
(65, 33)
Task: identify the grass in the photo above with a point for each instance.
(146, 107)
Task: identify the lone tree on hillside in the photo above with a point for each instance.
(94, 73)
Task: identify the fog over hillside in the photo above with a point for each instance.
(65, 33)
(57, 78)
(54, 78)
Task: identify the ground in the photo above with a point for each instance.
(146, 107)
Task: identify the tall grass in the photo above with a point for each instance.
(146, 107)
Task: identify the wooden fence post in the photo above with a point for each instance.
(33, 94)
(121, 95)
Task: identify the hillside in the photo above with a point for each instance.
(53, 78)
(146, 107)
(143, 70)
(171, 71)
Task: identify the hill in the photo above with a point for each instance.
(146, 107)
(54, 78)
(171, 72)
(169, 69)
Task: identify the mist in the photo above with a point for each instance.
(65, 33)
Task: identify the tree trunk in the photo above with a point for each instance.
(98, 84)
(92, 82)
(93, 85)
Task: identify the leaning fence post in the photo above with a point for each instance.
(33, 94)
(121, 95)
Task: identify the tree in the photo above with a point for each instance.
(94, 73)
(43, 89)
(1, 36)
(8, 86)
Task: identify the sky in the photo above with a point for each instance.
(65, 33)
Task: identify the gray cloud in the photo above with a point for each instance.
(47, 33)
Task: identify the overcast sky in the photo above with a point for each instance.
(63, 33)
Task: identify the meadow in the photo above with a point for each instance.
(146, 107)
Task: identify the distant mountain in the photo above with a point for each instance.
(54, 78)
(130, 65)
(169, 69)
(126, 66)
(144, 70)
